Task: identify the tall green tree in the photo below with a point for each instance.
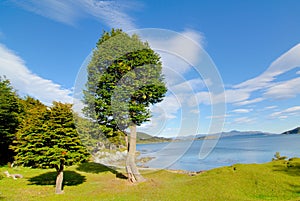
(9, 119)
(48, 139)
(124, 79)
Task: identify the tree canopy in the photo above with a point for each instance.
(124, 79)
(48, 136)
(9, 119)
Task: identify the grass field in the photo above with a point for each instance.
(277, 180)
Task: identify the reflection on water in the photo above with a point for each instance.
(229, 150)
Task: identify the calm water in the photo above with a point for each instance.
(228, 151)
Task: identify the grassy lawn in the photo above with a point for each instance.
(276, 180)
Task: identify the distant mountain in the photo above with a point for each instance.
(141, 135)
(243, 133)
(146, 138)
(233, 133)
(294, 131)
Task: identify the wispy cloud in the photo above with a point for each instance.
(170, 106)
(249, 101)
(267, 80)
(243, 120)
(284, 90)
(26, 82)
(179, 51)
(266, 84)
(113, 13)
(61, 11)
(189, 85)
(270, 107)
(242, 110)
(287, 112)
(218, 116)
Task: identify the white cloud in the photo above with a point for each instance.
(179, 51)
(69, 11)
(233, 96)
(202, 97)
(283, 117)
(61, 11)
(293, 109)
(242, 110)
(189, 86)
(238, 97)
(22, 79)
(111, 12)
(284, 90)
(265, 83)
(195, 111)
(284, 63)
(243, 120)
(270, 107)
(287, 112)
(169, 107)
(218, 116)
(247, 102)
(298, 72)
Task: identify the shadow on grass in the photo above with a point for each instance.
(71, 178)
(91, 167)
(295, 188)
(291, 168)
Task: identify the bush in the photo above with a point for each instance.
(278, 157)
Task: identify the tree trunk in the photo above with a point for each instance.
(126, 142)
(131, 169)
(59, 179)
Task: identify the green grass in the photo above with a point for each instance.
(277, 180)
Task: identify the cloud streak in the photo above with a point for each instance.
(112, 13)
(243, 120)
(287, 112)
(242, 110)
(27, 83)
(267, 81)
(264, 84)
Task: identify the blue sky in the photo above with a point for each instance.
(255, 46)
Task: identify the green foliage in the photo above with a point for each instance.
(88, 132)
(124, 79)
(269, 181)
(9, 119)
(277, 156)
(48, 137)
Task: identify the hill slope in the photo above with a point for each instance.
(146, 138)
(293, 131)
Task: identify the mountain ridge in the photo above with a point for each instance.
(293, 131)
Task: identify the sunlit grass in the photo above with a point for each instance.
(277, 180)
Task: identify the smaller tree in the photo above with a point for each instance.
(9, 119)
(278, 157)
(48, 139)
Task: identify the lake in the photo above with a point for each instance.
(184, 155)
